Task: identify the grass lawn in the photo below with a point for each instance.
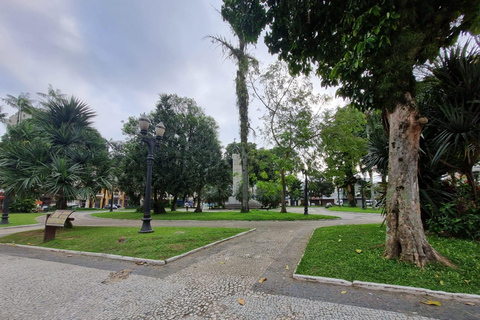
(20, 219)
(164, 243)
(332, 253)
(253, 215)
(354, 209)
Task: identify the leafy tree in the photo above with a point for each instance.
(289, 122)
(320, 186)
(343, 146)
(247, 19)
(371, 50)
(294, 187)
(269, 193)
(189, 157)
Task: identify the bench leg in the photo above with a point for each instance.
(49, 233)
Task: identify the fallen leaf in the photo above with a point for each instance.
(469, 303)
(433, 303)
(241, 301)
(29, 243)
(343, 292)
(467, 281)
(358, 251)
(437, 276)
(287, 267)
(13, 244)
(262, 280)
(139, 263)
(441, 282)
(222, 262)
(339, 240)
(69, 255)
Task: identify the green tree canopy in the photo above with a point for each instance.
(371, 50)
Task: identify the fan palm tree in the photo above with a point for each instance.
(454, 91)
(57, 152)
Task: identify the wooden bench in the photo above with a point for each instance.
(58, 219)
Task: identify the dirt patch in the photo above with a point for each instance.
(118, 276)
(176, 246)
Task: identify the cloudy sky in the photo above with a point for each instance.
(118, 56)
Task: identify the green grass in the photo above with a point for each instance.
(164, 243)
(253, 215)
(332, 253)
(354, 209)
(20, 219)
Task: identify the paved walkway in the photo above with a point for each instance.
(205, 285)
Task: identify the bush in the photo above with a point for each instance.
(269, 193)
(453, 220)
(22, 205)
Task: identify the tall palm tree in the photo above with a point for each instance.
(247, 19)
(22, 103)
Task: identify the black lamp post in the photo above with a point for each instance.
(6, 197)
(111, 200)
(151, 142)
(305, 190)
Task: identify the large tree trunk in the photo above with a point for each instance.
(199, 201)
(284, 192)
(405, 237)
(351, 194)
(242, 102)
(174, 204)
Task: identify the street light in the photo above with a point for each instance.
(4, 220)
(151, 142)
(305, 195)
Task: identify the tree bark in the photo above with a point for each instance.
(405, 236)
(174, 204)
(242, 102)
(351, 195)
(199, 201)
(284, 192)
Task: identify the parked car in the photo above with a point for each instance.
(108, 206)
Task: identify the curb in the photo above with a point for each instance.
(391, 288)
(208, 245)
(91, 254)
(125, 258)
(22, 226)
(386, 287)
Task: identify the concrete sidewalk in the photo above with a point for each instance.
(204, 285)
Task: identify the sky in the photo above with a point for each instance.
(118, 56)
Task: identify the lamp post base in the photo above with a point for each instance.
(146, 227)
(4, 219)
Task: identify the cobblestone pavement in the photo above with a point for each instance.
(204, 285)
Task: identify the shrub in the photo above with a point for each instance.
(22, 205)
(269, 193)
(456, 220)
